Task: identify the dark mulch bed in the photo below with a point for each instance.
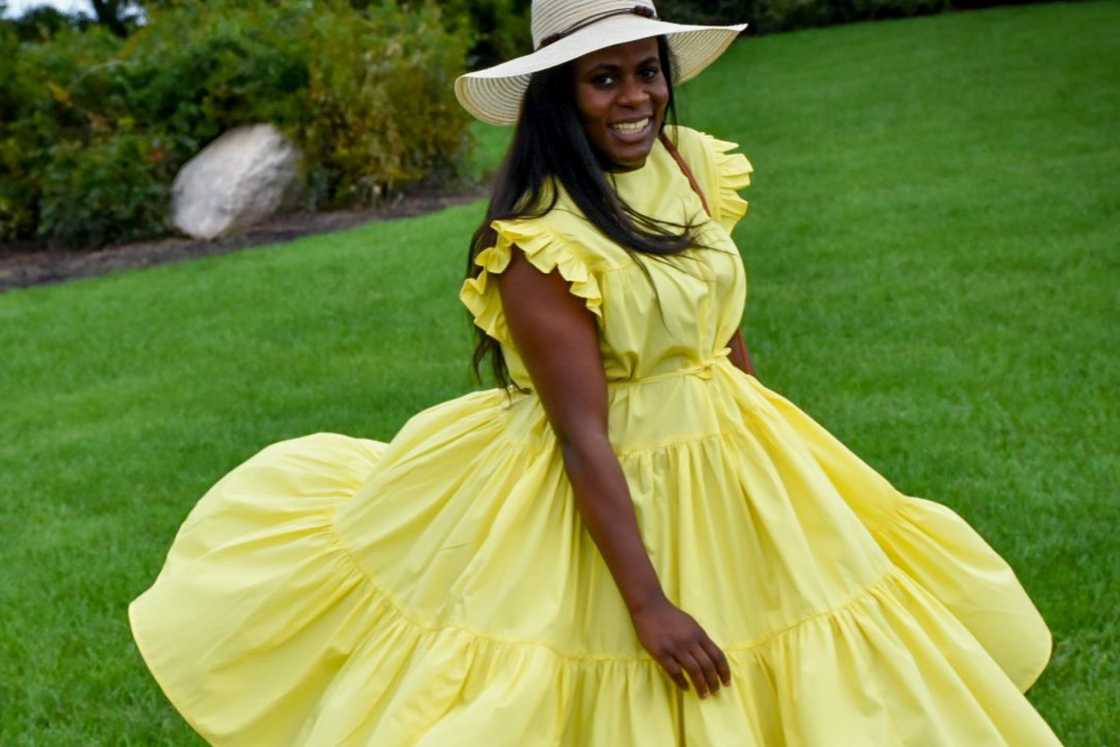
(21, 267)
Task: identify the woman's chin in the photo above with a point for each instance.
(628, 159)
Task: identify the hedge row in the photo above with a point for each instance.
(93, 128)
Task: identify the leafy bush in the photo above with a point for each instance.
(93, 194)
(102, 125)
(499, 28)
(17, 211)
(42, 22)
(197, 71)
(39, 111)
(380, 96)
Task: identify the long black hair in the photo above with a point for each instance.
(549, 143)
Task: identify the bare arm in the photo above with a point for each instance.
(557, 338)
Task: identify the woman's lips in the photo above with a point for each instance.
(631, 132)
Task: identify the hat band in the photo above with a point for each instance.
(639, 10)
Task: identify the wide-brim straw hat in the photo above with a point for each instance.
(566, 29)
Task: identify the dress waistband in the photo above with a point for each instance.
(703, 370)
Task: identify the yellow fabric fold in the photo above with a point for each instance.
(734, 173)
(939, 549)
(546, 250)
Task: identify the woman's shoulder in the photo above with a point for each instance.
(720, 168)
(560, 229)
(703, 150)
(690, 142)
(549, 245)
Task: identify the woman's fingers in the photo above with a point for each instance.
(673, 669)
(681, 647)
(691, 660)
(720, 660)
(707, 667)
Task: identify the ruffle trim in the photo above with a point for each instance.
(546, 251)
(733, 171)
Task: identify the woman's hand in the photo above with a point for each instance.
(678, 643)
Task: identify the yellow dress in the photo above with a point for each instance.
(441, 589)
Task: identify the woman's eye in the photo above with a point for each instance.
(605, 80)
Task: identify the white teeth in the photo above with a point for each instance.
(631, 126)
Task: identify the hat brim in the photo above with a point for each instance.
(494, 94)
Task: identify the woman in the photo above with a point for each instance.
(634, 542)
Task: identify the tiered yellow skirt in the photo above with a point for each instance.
(441, 590)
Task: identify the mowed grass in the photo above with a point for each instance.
(934, 256)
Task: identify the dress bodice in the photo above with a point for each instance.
(657, 316)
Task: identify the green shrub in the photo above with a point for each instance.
(38, 110)
(366, 94)
(17, 209)
(40, 23)
(381, 104)
(197, 71)
(111, 191)
(499, 29)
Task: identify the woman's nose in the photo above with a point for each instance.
(633, 93)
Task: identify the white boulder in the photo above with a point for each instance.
(245, 176)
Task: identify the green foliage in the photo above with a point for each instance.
(196, 72)
(17, 214)
(41, 23)
(113, 190)
(119, 17)
(366, 94)
(43, 88)
(380, 92)
(499, 28)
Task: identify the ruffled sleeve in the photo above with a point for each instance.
(732, 172)
(547, 250)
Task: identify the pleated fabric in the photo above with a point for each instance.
(440, 588)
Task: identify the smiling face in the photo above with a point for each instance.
(622, 94)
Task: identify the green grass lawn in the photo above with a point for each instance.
(934, 258)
